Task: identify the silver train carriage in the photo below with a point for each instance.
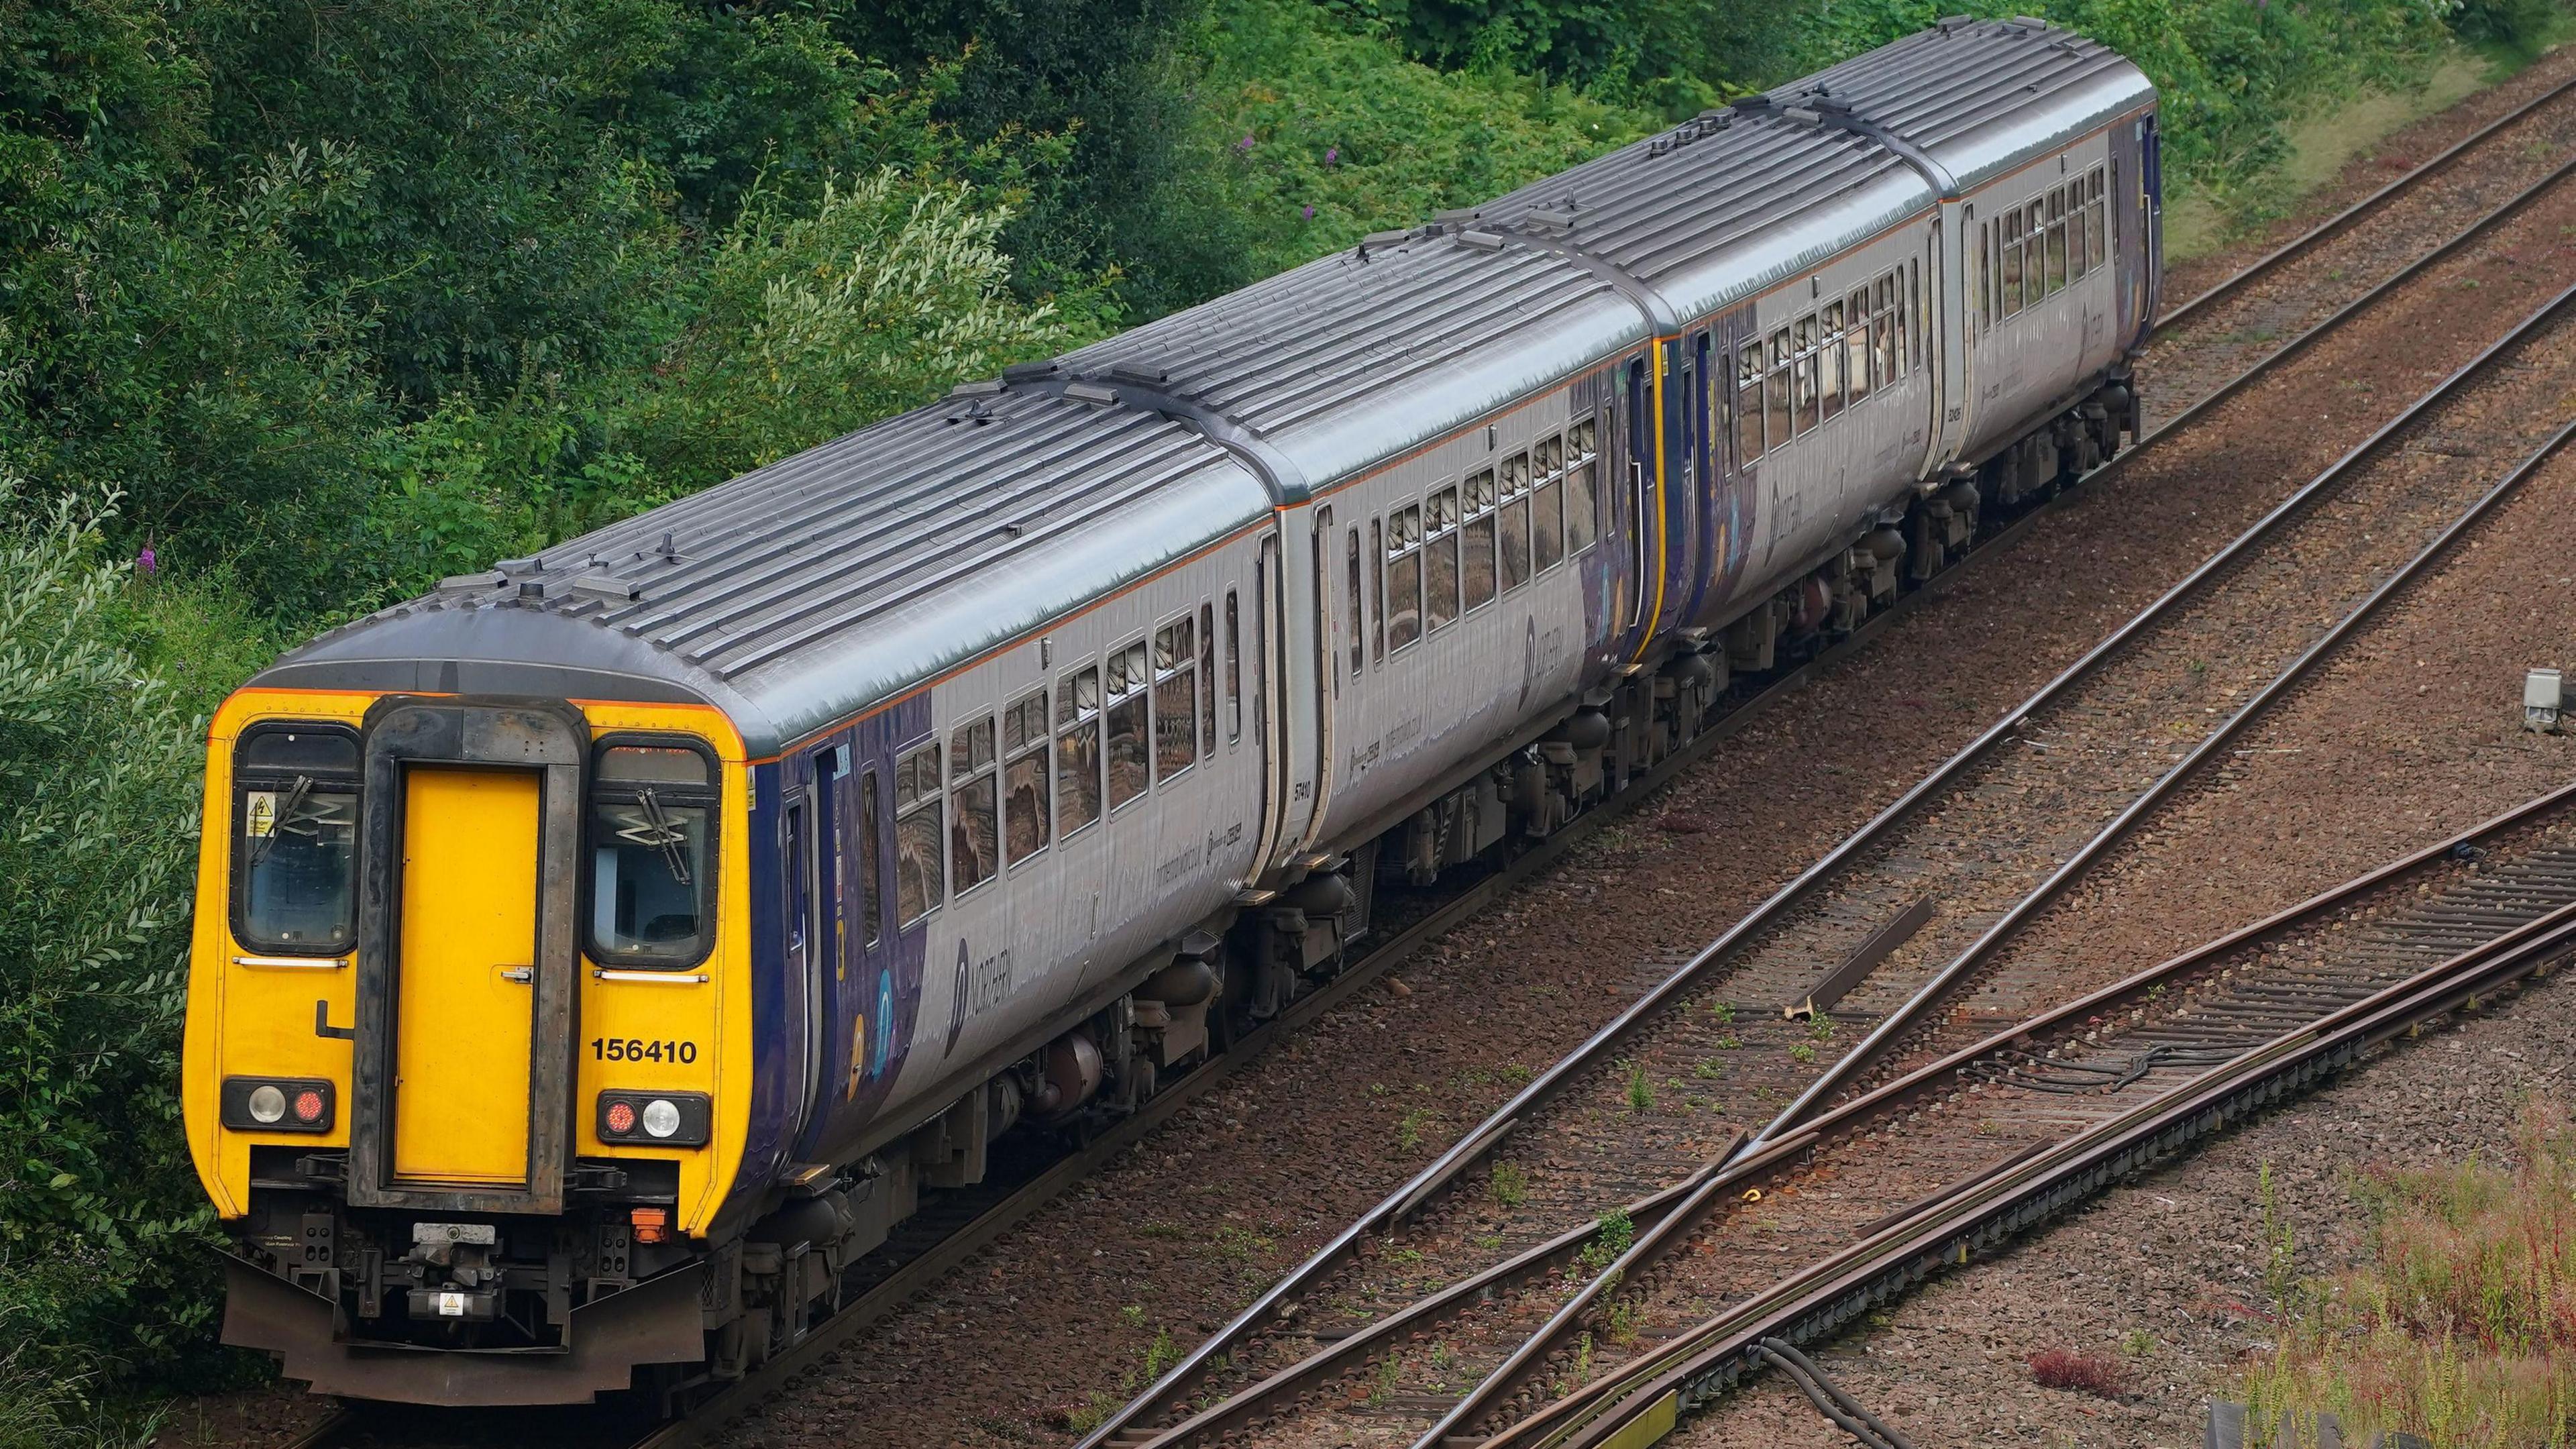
(647, 924)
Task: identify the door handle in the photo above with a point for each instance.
(520, 973)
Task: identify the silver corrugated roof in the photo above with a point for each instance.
(806, 591)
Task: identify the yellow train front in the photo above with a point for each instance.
(503, 1147)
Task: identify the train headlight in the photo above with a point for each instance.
(661, 1117)
(275, 1104)
(656, 1119)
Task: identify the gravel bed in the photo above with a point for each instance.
(1068, 1311)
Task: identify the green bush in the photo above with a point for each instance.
(104, 1234)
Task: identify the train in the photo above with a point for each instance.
(597, 955)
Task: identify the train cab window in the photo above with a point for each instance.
(1476, 568)
(1403, 577)
(1856, 347)
(1176, 705)
(1359, 633)
(920, 872)
(295, 796)
(1514, 529)
(1748, 404)
(1234, 667)
(1024, 777)
(1077, 752)
(871, 820)
(1207, 674)
(1547, 503)
(652, 808)
(1829, 359)
(974, 838)
(1582, 484)
(1129, 755)
(1440, 559)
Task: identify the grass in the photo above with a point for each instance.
(1511, 1185)
(2058, 1368)
(40, 1410)
(2460, 1326)
(1641, 1092)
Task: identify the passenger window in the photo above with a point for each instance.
(1776, 392)
(1476, 569)
(1377, 586)
(1805, 374)
(2034, 261)
(2100, 230)
(1077, 752)
(920, 879)
(1359, 634)
(1176, 705)
(1128, 752)
(1985, 275)
(1515, 528)
(295, 801)
(2078, 256)
(652, 810)
(1440, 559)
(2057, 241)
(1547, 504)
(1582, 484)
(1207, 677)
(1829, 359)
(2012, 251)
(1233, 667)
(1856, 347)
(1748, 404)
(1882, 334)
(1024, 777)
(1404, 577)
(1909, 326)
(973, 837)
(871, 821)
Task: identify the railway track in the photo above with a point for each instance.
(952, 1233)
(2095, 729)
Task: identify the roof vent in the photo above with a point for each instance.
(975, 413)
(1385, 238)
(670, 549)
(1483, 241)
(1022, 371)
(465, 583)
(1090, 392)
(1801, 115)
(1458, 216)
(1550, 219)
(532, 588)
(986, 388)
(605, 589)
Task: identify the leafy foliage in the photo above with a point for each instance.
(102, 1229)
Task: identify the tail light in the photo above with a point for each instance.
(655, 1119)
(276, 1104)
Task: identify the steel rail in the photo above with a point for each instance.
(1896, 1024)
(1532, 1352)
(1173, 1387)
(2343, 220)
(1693, 1367)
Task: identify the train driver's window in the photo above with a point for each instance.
(871, 890)
(1748, 404)
(1440, 559)
(1514, 533)
(974, 838)
(1176, 704)
(1234, 668)
(1129, 754)
(1077, 752)
(1582, 484)
(920, 878)
(295, 804)
(1547, 503)
(1024, 777)
(1207, 678)
(651, 810)
(1403, 577)
(1476, 569)
(1829, 359)
(1856, 346)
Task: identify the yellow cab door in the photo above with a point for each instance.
(466, 951)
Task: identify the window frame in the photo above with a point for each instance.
(237, 859)
(1435, 533)
(713, 804)
(1042, 746)
(1142, 645)
(1472, 512)
(935, 801)
(960, 779)
(1158, 674)
(1582, 453)
(1547, 493)
(1067, 686)
(1404, 543)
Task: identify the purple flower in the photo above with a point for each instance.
(1245, 144)
(147, 563)
(1332, 154)
(1309, 213)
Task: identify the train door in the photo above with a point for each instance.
(1635, 495)
(1732, 373)
(867, 827)
(803, 948)
(1334, 634)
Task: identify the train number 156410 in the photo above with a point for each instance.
(628, 1049)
